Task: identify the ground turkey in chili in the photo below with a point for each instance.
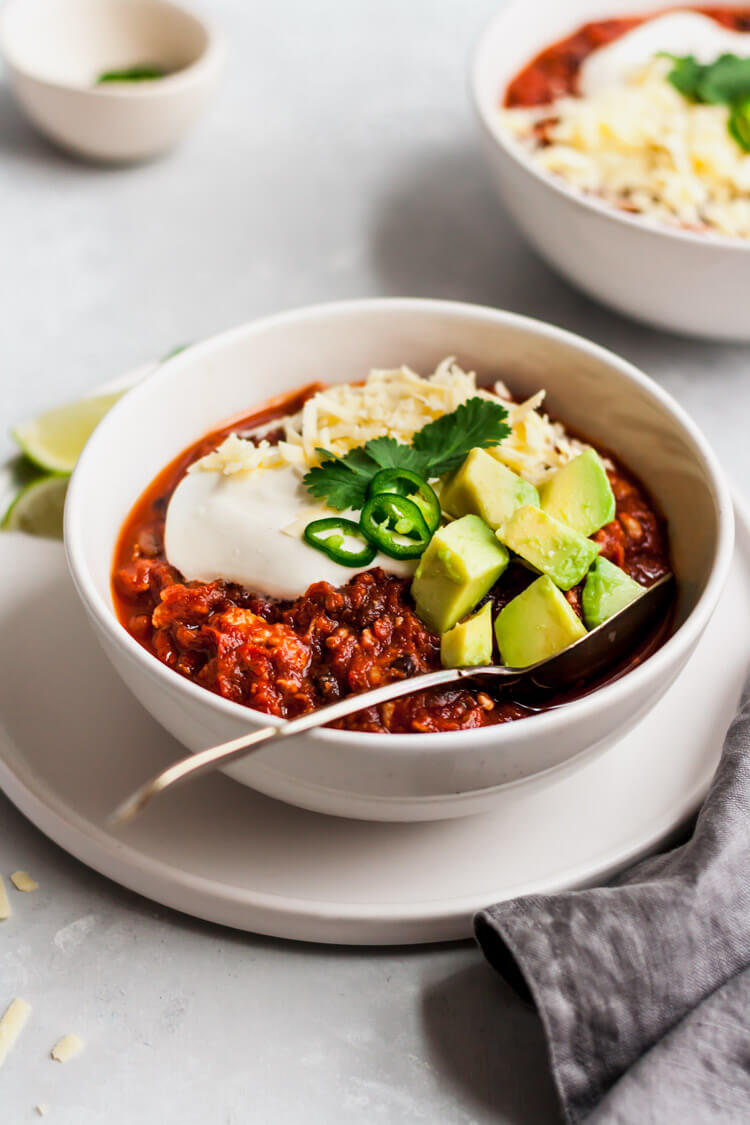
(287, 658)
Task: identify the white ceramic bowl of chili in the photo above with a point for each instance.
(685, 281)
(401, 776)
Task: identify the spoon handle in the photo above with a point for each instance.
(195, 765)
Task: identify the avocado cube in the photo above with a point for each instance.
(549, 546)
(607, 590)
(537, 624)
(468, 643)
(580, 494)
(485, 487)
(461, 563)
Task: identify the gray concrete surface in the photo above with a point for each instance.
(339, 159)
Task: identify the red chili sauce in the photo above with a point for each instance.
(289, 657)
(554, 72)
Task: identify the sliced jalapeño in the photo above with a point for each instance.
(415, 488)
(395, 525)
(341, 539)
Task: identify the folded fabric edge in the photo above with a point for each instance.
(495, 939)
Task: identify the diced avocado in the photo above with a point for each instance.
(538, 623)
(549, 546)
(487, 488)
(463, 560)
(607, 590)
(469, 642)
(580, 494)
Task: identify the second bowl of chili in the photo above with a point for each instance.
(684, 280)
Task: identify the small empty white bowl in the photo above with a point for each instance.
(55, 51)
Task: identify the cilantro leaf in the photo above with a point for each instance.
(685, 75)
(337, 485)
(445, 442)
(392, 454)
(141, 72)
(358, 460)
(739, 124)
(437, 448)
(726, 81)
(342, 482)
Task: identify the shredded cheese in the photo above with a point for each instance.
(642, 146)
(22, 881)
(395, 403)
(12, 1024)
(67, 1048)
(5, 908)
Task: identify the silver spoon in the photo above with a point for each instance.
(600, 649)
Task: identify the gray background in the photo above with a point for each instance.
(339, 159)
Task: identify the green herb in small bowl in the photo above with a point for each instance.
(141, 72)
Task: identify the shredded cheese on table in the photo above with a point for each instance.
(395, 403)
(5, 909)
(67, 1048)
(22, 881)
(642, 146)
(12, 1024)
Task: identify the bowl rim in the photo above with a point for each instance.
(211, 56)
(677, 645)
(512, 148)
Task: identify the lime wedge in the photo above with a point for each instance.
(54, 440)
(38, 508)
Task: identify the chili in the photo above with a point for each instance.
(287, 658)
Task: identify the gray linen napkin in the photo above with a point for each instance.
(643, 986)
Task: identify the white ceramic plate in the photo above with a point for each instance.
(73, 741)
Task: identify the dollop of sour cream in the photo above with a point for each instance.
(232, 527)
(678, 33)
